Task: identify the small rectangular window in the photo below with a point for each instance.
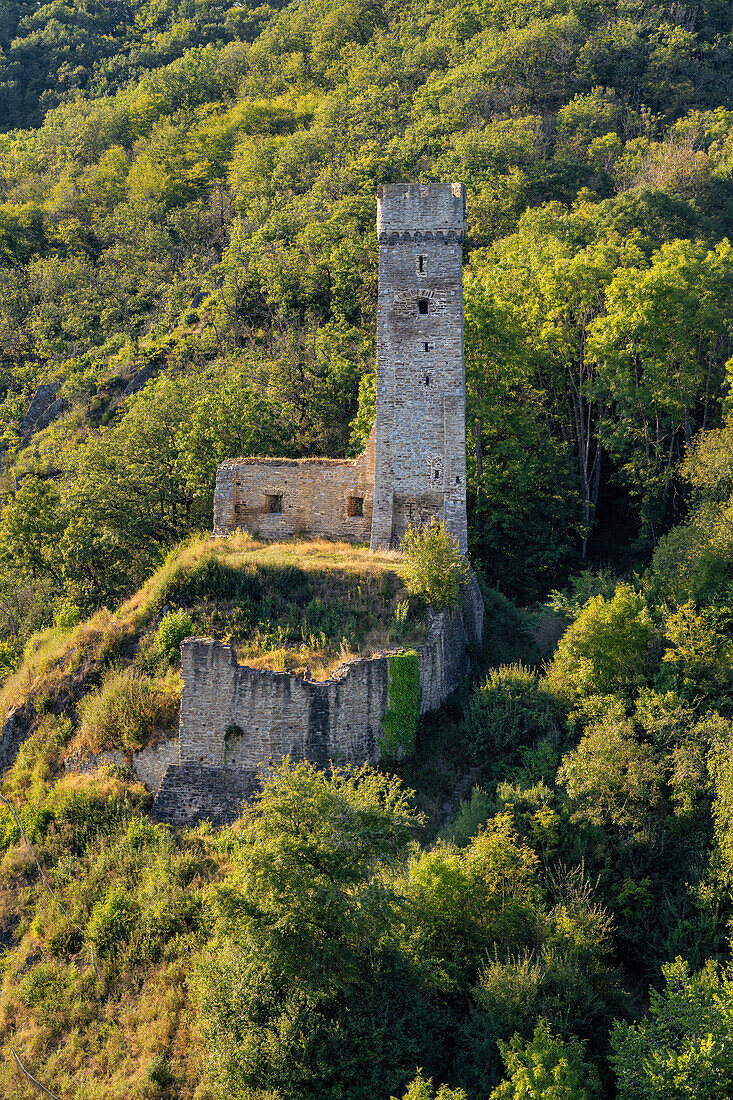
(355, 506)
(436, 475)
(422, 305)
(421, 265)
(427, 379)
(429, 347)
(274, 503)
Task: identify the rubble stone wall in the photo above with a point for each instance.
(233, 716)
(329, 498)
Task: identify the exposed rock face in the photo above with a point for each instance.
(142, 376)
(43, 409)
(16, 725)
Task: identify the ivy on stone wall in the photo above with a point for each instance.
(399, 724)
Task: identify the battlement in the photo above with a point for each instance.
(426, 208)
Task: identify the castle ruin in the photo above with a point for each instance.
(414, 465)
(414, 468)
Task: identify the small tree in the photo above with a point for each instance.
(435, 569)
(684, 1046)
(546, 1068)
(174, 627)
(422, 1089)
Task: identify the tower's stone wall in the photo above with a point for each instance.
(420, 430)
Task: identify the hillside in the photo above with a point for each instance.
(195, 208)
(537, 901)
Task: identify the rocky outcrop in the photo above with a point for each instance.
(15, 729)
(44, 408)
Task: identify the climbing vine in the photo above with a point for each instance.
(399, 724)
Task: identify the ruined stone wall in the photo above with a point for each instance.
(277, 498)
(233, 716)
(420, 430)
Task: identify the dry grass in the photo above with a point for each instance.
(61, 666)
(128, 711)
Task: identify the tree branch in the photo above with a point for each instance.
(36, 1084)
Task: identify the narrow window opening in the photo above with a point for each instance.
(355, 506)
(422, 305)
(427, 379)
(421, 265)
(458, 481)
(437, 475)
(274, 503)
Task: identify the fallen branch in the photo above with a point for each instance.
(36, 1084)
(47, 884)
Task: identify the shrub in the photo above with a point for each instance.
(112, 922)
(613, 777)
(422, 1089)
(174, 627)
(684, 1046)
(472, 815)
(546, 1066)
(127, 711)
(612, 646)
(435, 569)
(511, 708)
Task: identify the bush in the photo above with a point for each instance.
(127, 711)
(472, 815)
(435, 569)
(422, 1089)
(510, 709)
(174, 627)
(684, 1047)
(112, 922)
(612, 646)
(546, 1066)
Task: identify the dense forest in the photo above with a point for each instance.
(538, 902)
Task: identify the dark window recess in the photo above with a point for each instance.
(437, 475)
(429, 347)
(422, 305)
(427, 379)
(458, 481)
(274, 502)
(421, 265)
(355, 506)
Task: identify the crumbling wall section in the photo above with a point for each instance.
(278, 497)
(233, 716)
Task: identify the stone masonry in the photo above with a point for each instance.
(235, 718)
(414, 466)
(420, 429)
(238, 717)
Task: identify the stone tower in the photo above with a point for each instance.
(420, 430)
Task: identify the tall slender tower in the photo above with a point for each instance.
(420, 431)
